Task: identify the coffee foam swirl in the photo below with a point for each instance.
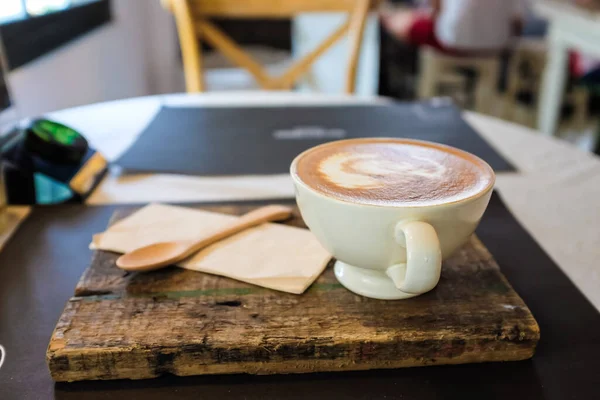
(393, 171)
(370, 171)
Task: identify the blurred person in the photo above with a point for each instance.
(582, 66)
(458, 26)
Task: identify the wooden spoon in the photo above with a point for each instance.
(159, 255)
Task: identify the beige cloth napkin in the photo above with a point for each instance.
(271, 255)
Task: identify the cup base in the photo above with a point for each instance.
(368, 282)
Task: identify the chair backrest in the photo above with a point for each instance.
(193, 25)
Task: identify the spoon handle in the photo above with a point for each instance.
(251, 219)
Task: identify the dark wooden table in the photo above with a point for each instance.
(42, 263)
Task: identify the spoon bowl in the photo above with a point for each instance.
(152, 256)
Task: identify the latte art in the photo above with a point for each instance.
(371, 171)
(393, 171)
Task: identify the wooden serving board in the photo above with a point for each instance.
(141, 325)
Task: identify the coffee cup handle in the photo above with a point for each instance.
(421, 272)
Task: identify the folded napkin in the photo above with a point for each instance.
(275, 256)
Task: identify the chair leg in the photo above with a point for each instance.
(553, 85)
(485, 93)
(429, 71)
(512, 88)
(597, 146)
(581, 98)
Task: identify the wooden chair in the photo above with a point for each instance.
(531, 55)
(435, 66)
(193, 25)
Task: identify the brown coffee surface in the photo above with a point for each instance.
(393, 172)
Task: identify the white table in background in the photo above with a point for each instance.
(570, 28)
(554, 195)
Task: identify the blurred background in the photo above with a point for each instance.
(65, 53)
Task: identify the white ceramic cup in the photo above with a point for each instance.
(390, 252)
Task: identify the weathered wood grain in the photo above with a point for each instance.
(142, 325)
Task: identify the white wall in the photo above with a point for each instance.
(164, 63)
(106, 64)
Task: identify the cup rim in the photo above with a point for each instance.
(475, 159)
